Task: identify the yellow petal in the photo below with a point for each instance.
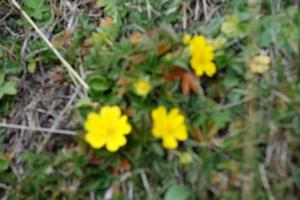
(210, 69)
(93, 122)
(175, 117)
(112, 146)
(110, 112)
(170, 143)
(197, 44)
(159, 113)
(157, 130)
(118, 139)
(181, 133)
(198, 67)
(208, 53)
(95, 140)
(123, 126)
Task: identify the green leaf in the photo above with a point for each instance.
(84, 101)
(34, 4)
(213, 26)
(178, 192)
(31, 67)
(231, 81)
(1, 78)
(221, 118)
(9, 88)
(98, 83)
(4, 164)
(12, 67)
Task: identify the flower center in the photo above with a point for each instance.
(111, 130)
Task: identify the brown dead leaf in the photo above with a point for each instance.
(135, 37)
(62, 39)
(94, 105)
(212, 131)
(125, 164)
(74, 149)
(114, 171)
(106, 22)
(163, 48)
(137, 59)
(94, 160)
(129, 112)
(150, 33)
(58, 78)
(85, 47)
(197, 134)
(123, 81)
(122, 91)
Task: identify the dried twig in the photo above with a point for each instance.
(39, 129)
(72, 72)
(265, 181)
(59, 119)
(146, 183)
(184, 15)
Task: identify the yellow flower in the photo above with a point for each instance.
(186, 39)
(260, 64)
(202, 56)
(170, 127)
(142, 87)
(107, 128)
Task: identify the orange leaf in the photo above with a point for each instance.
(189, 82)
(176, 73)
(185, 84)
(163, 48)
(194, 82)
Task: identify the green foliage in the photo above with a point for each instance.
(4, 164)
(7, 88)
(178, 192)
(39, 10)
(241, 124)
